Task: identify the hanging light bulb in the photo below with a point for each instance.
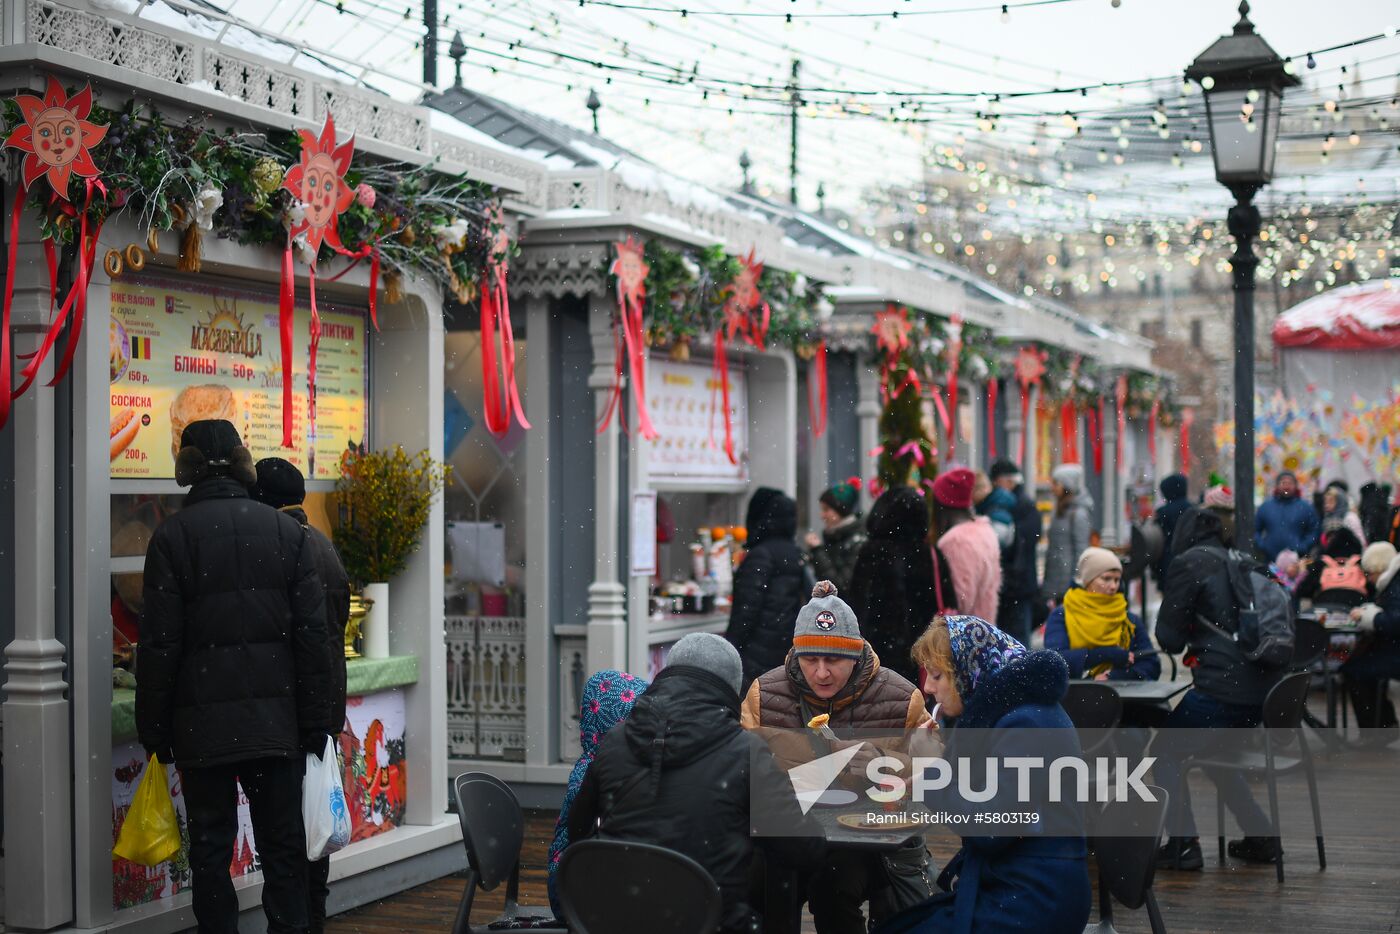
(1312, 62)
(1005, 14)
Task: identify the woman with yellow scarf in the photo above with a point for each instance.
(1093, 630)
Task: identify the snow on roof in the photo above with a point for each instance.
(1362, 316)
(443, 122)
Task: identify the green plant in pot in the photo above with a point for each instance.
(383, 500)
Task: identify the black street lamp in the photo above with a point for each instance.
(1243, 79)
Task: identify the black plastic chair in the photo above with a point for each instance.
(1095, 710)
(1125, 848)
(493, 831)
(610, 886)
(1283, 710)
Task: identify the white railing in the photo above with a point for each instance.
(485, 687)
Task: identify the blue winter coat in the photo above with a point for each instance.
(1285, 523)
(1038, 882)
(1146, 666)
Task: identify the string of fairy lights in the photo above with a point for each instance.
(1045, 153)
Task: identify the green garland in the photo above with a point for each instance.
(686, 292)
(164, 175)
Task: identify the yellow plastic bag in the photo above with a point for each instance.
(150, 834)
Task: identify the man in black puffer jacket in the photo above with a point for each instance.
(281, 486)
(679, 772)
(1227, 690)
(770, 585)
(234, 674)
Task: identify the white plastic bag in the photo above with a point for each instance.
(323, 810)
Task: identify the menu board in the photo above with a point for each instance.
(686, 407)
(185, 349)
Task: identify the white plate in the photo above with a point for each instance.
(831, 798)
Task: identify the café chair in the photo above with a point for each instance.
(1095, 709)
(493, 831)
(1283, 710)
(1127, 859)
(611, 886)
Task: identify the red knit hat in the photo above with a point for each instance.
(953, 488)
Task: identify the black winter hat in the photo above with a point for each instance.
(212, 447)
(279, 483)
(1003, 468)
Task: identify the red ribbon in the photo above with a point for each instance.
(721, 371)
(286, 304)
(816, 391)
(370, 250)
(1093, 416)
(993, 388)
(1026, 426)
(76, 304)
(500, 395)
(943, 415)
(311, 365)
(1069, 433)
(1152, 432)
(629, 354)
(1188, 417)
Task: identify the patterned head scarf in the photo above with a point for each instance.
(979, 649)
(608, 699)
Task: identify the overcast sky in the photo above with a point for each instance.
(1070, 43)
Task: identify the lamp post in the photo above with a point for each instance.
(1243, 79)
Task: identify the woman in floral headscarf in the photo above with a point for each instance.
(1032, 878)
(608, 699)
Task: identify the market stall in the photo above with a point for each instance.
(171, 275)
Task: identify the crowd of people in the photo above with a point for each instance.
(941, 600)
(914, 624)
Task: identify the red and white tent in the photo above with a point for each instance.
(1365, 316)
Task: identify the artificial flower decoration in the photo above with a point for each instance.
(57, 136)
(318, 182)
(892, 329)
(744, 299)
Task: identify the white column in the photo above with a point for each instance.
(1112, 476)
(92, 617)
(868, 411)
(974, 446)
(1032, 430)
(607, 598)
(38, 784)
(540, 664)
(407, 361)
(1014, 429)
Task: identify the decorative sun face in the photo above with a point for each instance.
(318, 182)
(630, 268)
(57, 136)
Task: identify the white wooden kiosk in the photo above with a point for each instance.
(58, 492)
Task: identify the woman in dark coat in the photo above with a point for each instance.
(892, 590)
(1038, 881)
(770, 585)
(834, 551)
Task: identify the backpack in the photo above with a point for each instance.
(1264, 628)
(1342, 575)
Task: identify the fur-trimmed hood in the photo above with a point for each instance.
(1386, 578)
(1036, 678)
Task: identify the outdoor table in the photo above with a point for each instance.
(1147, 692)
(782, 899)
(1339, 627)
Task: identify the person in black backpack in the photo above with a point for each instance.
(1200, 610)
